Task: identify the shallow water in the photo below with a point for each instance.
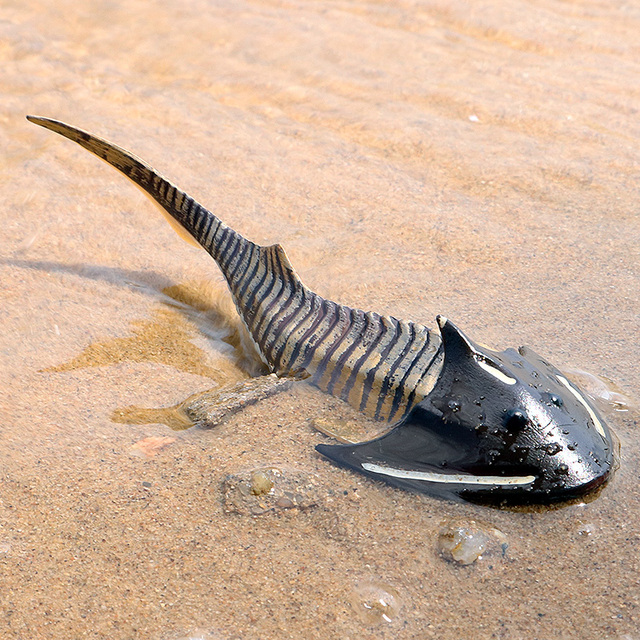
(477, 160)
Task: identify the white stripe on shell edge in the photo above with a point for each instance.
(450, 478)
(580, 398)
(496, 373)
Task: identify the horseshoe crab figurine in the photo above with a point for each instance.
(504, 426)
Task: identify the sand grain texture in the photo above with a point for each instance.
(478, 160)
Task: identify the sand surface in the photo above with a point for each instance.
(475, 159)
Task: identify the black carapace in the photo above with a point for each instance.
(497, 426)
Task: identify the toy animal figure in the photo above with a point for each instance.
(504, 426)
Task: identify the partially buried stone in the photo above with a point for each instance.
(464, 542)
(210, 408)
(268, 489)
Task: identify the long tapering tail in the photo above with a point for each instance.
(378, 364)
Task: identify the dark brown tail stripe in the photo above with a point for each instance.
(280, 320)
(272, 302)
(246, 264)
(379, 364)
(317, 334)
(231, 252)
(327, 353)
(267, 282)
(280, 311)
(209, 231)
(424, 373)
(357, 332)
(395, 355)
(227, 238)
(307, 332)
(397, 377)
(242, 260)
(402, 384)
(362, 349)
(250, 275)
(199, 221)
(287, 346)
(261, 277)
(377, 357)
(233, 248)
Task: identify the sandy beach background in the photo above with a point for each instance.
(475, 159)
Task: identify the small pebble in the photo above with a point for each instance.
(149, 447)
(268, 489)
(464, 542)
(261, 483)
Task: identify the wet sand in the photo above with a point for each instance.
(478, 160)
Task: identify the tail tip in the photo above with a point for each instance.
(43, 122)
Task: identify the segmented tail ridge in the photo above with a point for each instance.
(380, 365)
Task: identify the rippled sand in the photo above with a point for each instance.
(478, 160)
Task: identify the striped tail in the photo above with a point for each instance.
(380, 365)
